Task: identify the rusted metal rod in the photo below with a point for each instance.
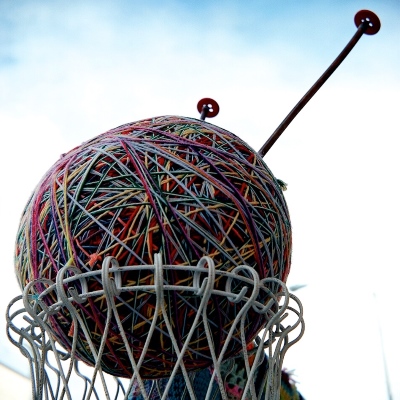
(204, 112)
(367, 22)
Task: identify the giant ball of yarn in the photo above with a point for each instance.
(177, 186)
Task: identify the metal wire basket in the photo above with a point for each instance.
(57, 373)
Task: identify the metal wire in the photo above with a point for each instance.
(56, 373)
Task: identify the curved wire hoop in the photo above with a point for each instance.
(57, 374)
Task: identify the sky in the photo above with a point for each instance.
(71, 70)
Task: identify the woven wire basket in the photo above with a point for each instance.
(58, 373)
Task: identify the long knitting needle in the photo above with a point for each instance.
(368, 23)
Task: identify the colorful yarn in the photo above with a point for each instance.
(171, 185)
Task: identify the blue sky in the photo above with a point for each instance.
(71, 70)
